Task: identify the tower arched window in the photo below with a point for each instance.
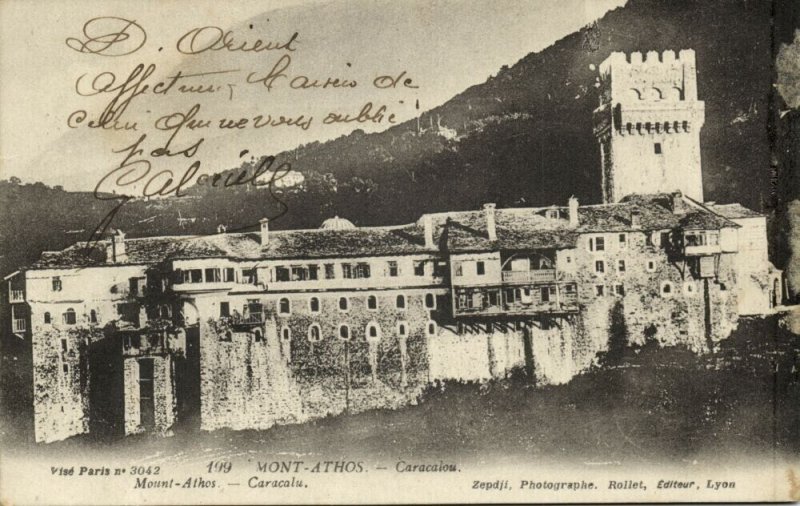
(431, 328)
(92, 316)
(47, 319)
(343, 304)
(286, 334)
(344, 332)
(284, 307)
(402, 329)
(258, 335)
(314, 333)
(400, 302)
(373, 331)
(372, 302)
(313, 305)
(69, 316)
(430, 301)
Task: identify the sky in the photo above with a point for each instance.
(443, 46)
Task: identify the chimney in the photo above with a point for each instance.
(676, 203)
(118, 253)
(427, 222)
(221, 229)
(573, 212)
(636, 219)
(264, 231)
(490, 224)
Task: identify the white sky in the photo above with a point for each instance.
(445, 45)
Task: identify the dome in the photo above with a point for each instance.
(337, 223)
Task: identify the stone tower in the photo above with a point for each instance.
(648, 125)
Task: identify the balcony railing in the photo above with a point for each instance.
(495, 301)
(16, 296)
(255, 318)
(532, 276)
(19, 325)
(702, 250)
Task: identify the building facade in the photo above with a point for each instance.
(249, 330)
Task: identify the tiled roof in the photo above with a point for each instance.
(517, 229)
(734, 211)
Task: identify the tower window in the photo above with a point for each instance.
(344, 332)
(372, 302)
(657, 148)
(343, 304)
(284, 307)
(400, 302)
(314, 333)
(480, 268)
(430, 301)
(313, 305)
(47, 319)
(286, 334)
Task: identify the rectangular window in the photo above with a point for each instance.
(439, 268)
(620, 290)
(193, 276)
(597, 244)
(213, 275)
(599, 290)
(480, 268)
(56, 283)
(313, 272)
(228, 275)
(623, 241)
(362, 270)
(249, 276)
(224, 309)
(299, 273)
(621, 265)
(64, 347)
(419, 267)
(600, 266)
(133, 286)
(347, 271)
(392, 269)
(458, 268)
(329, 272)
(282, 274)
(657, 148)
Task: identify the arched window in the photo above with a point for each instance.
(401, 302)
(343, 303)
(372, 302)
(344, 332)
(93, 316)
(402, 329)
(666, 289)
(228, 336)
(69, 316)
(313, 305)
(430, 301)
(47, 319)
(314, 333)
(259, 336)
(286, 334)
(373, 331)
(284, 307)
(431, 327)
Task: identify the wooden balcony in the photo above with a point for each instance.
(529, 277)
(16, 296)
(19, 325)
(528, 300)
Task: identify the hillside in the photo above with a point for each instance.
(524, 137)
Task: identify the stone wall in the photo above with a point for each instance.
(164, 403)
(61, 382)
(247, 383)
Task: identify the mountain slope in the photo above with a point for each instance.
(524, 137)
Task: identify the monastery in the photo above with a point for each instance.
(249, 330)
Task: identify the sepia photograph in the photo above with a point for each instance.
(406, 252)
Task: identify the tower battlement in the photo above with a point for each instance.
(651, 77)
